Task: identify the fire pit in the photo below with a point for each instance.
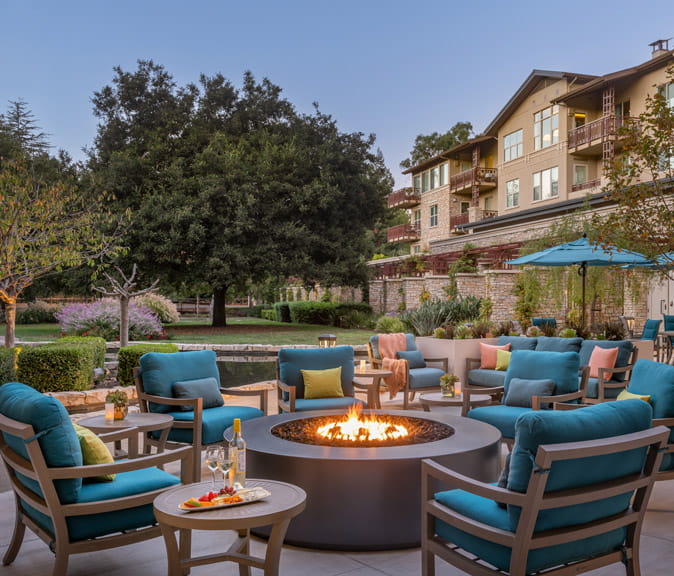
(364, 495)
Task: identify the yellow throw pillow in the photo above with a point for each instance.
(625, 395)
(502, 359)
(323, 383)
(94, 451)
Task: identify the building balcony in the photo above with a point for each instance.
(486, 178)
(596, 183)
(403, 233)
(404, 198)
(588, 139)
(473, 215)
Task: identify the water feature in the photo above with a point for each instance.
(240, 370)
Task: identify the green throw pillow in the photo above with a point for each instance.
(502, 360)
(323, 383)
(94, 451)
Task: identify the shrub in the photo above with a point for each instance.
(8, 364)
(389, 325)
(310, 312)
(423, 320)
(101, 318)
(98, 344)
(282, 310)
(354, 315)
(268, 314)
(38, 312)
(57, 367)
(163, 307)
(128, 358)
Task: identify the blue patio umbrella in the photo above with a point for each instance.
(664, 262)
(581, 253)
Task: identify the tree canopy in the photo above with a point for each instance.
(428, 145)
(229, 186)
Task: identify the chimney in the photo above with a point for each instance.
(659, 47)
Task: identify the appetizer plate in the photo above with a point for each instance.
(247, 495)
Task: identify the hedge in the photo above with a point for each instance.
(7, 363)
(57, 367)
(282, 310)
(268, 314)
(129, 356)
(310, 312)
(98, 344)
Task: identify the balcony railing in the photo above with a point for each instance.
(403, 233)
(404, 198)
(468, 177)
(586, 185)
(464, 218)
(600, 130)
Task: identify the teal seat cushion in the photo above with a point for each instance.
(425, 377)
(592, 389)
(161, 370)
(518, 342)
(410, 344)
(501, 416)
(291, 362)
(624, 353)
(483, 377)
(343, 402)
(550, 427)
(561, 367)
(656, 380)
(214, 422)
(556, 344)
(54, 432)
(488, 512)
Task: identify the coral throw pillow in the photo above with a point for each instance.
(488, 355)
(602, 358)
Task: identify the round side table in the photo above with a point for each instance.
(373, 387)
(284, 502)
(437, 399)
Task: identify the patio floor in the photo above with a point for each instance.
(149, 558)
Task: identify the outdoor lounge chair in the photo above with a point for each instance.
(186, 385)
(332, 379)
(54, 493)
(572, 500)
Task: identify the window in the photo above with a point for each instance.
(435, 177)
(546, 184)
(434, 215)
(666, 161)
(417, 219)
(416, 183)
(488, 203)
(579, 119)
(512, 146)
(579, 174)
(444, 174)
(546, 127)
(464, 207)
(425, 182)
(512, 193)
(417, 249)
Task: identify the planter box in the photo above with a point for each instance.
(456, 351)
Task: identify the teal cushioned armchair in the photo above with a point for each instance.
(577, 490)
(54, 496)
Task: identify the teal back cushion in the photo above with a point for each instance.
(561, 367)
(410, 344)
(518, 342)
(651, 329)
(656, 380)
(291, 361)
(54, 431)
(551, 427)
(624, 351)
(160, 371)
(557, 344)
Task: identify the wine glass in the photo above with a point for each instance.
(225, 465)
(214, 456)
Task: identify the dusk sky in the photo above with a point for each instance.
(390, 67)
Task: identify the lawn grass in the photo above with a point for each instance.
(238, 331)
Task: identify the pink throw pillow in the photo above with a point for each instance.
(602, 358)
(488, 355)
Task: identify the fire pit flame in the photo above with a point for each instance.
(357, 428)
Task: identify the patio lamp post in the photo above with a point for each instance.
(327, 341)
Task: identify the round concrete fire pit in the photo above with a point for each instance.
(365, 498)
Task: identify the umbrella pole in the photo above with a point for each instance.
(582, 271)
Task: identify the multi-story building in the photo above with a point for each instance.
(541, 157)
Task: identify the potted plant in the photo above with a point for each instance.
(121, 402)
(447, 385)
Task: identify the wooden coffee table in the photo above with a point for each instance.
(373, 387)
(143, 422)
(285, 502)
(437, 399)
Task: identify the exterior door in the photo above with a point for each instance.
(661, 299)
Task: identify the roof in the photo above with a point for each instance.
(447, 154)
(583, 93)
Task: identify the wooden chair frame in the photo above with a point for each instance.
(524, 539)
(36, 468)
(408, 393)
(604, 377)
(195, 425)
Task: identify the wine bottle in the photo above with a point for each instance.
(237, 454)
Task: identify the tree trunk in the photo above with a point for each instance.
(219, 316)
(10, 322)
(123, 321)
